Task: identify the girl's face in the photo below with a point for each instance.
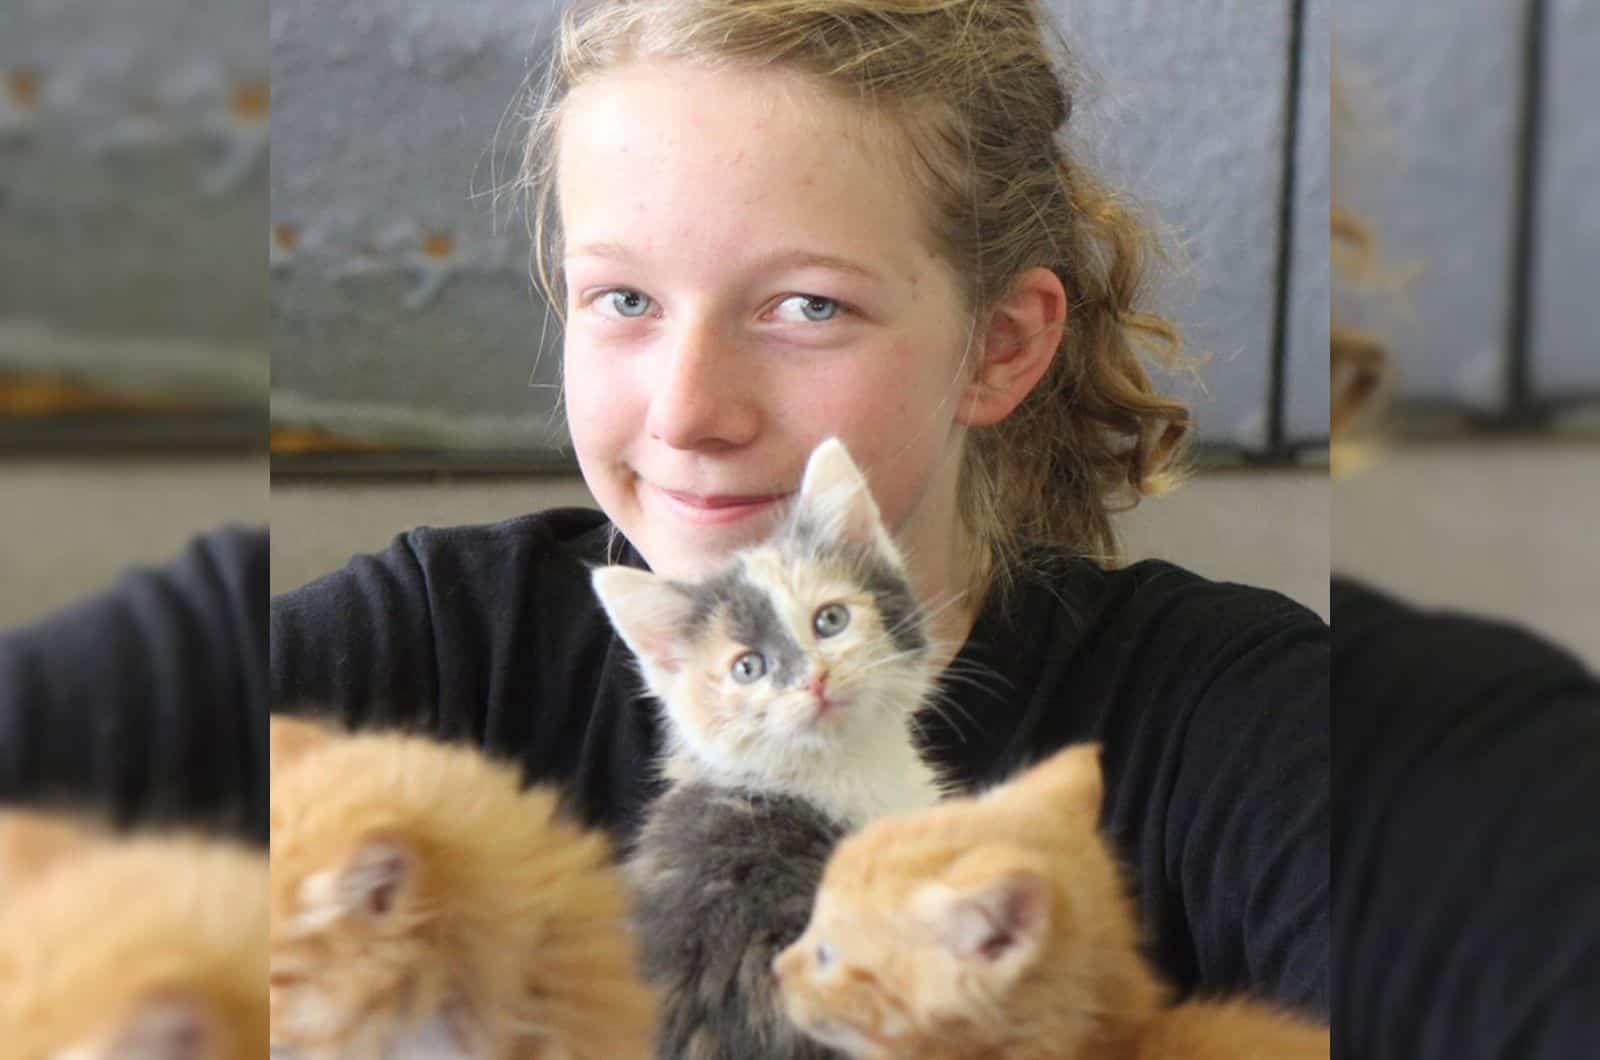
(748, 275)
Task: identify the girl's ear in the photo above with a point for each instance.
(835, 498)
(1019, 343)
(648, 612)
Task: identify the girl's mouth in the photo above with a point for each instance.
(718, 509)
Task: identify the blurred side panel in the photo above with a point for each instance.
(1306, 360)
(1565, 328)
(1434, 164)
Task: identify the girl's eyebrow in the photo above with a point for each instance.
(794, 258)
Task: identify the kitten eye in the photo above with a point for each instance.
(830, 619)
(749, 667)
(824, 955)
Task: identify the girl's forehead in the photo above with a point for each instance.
(652, 161)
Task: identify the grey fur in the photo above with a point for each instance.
(723, 882)
(752, 621)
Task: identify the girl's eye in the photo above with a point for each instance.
(830, 619)
(629, 304)
(749, 667)
(813, 308)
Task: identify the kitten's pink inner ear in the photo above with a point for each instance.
(1003, 921)
(372, 882)
(648, 612)
(168, 1028)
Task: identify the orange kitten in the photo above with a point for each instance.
(425, 905)
(999, 927)
(129, 948)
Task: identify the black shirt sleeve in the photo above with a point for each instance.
(1217, 778)
(1467, 782)
(489, 635)
(148, 700)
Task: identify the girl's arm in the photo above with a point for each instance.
(148, 700)
(1466, 790)
(465, 633)
(1217, 773)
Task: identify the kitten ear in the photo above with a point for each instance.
(648, 612)
(835, 496)
(291, 738)
(1070, 779)
(1000, 925)
(168, 1028)
(372, 880)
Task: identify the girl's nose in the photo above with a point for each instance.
(702, 399)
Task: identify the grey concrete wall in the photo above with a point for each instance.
(133, 195)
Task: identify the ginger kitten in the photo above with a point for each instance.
(424, 904)
(998, 927)
(129, 947)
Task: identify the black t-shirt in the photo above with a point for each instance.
(1466, 847)
(148, 699)
(1210, 700)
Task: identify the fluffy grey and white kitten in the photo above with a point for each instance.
(788, 681)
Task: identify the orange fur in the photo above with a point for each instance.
(999, 927)
(414, 881)
(34, 843)
(134, 946)
(290, 738)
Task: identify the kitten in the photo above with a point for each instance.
(141, 947)
(425, 905)
(998, 927)
(788, 681)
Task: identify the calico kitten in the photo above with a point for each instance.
(425, 905)
(998, 927)
(143, 947)
(788, 682)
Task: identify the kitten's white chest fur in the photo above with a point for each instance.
(877, 773)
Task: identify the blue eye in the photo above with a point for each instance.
(814, 308)
(824, 955)
(628, 304)
(749, 668)
(830, 619)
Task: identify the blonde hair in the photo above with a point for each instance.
(979, 105)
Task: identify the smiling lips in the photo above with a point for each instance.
(718, 509)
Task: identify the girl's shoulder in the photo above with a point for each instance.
(1155, 598)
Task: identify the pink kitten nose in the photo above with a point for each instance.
(819, 689)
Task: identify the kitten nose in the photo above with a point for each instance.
(819, 684)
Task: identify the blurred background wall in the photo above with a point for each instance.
(1476, 159)
(133, 265)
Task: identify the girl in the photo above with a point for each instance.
(771, 221)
